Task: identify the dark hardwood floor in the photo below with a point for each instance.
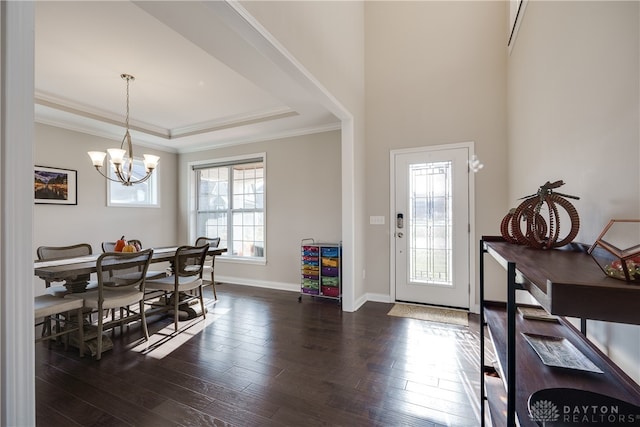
(263, 359)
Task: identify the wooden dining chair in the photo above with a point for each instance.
(187, 269)
(209, 265)
(48, 253)
(121, 284)
(111, 246)
(59, 252)
(151, 274)
(56, 288)
(108, 247)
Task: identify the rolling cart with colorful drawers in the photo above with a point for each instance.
(321, 270)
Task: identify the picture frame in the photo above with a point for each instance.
(55, 186)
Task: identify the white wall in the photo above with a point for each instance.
(435, 74)
(327, 38)
(303, 200)
(91, 221)
(574, 97)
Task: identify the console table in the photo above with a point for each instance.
(565, 282)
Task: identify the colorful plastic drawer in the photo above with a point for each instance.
(331, 252)
(310, 283)
(310, 276)
(330, 291)
(330, 281)
(311, 258)
(310, 269)
(310, 251)
(309, 262)
(310, 291)
(330, 271)
(329, 262)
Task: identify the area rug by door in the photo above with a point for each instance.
(432, 314)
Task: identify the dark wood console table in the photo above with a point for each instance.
(566, 282)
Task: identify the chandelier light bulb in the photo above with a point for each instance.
(117, 155)
(97, 158)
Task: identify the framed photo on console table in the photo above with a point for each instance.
(55, 186)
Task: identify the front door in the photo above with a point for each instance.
(431, 237)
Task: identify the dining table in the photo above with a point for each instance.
(77, 268)
(75, 273)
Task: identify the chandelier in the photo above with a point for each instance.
(121, 159)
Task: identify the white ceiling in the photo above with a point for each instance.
(204, 77)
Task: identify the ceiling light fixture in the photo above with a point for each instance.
(122, 160)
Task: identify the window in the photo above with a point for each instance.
(230, 205)
(144, 194)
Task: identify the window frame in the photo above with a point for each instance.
(193, 168)
(154, 185)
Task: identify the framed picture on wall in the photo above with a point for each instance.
(55, 186)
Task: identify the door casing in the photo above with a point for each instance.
(473, 305)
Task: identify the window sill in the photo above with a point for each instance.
(131, 205)
(241, 260)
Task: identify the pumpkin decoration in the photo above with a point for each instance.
(120, 244)
(129, 248)
(541, 231)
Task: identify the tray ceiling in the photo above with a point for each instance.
(204, 77)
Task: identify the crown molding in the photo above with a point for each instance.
(232, 121)
(290, 133)
(101, 116)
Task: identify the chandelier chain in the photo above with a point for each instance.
(128, 78)
(126, 120)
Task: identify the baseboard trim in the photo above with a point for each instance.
(295, 287)
(292, 287)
